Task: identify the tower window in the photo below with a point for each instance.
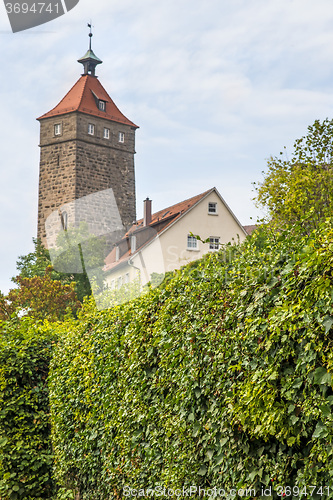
(106, 133)
(101, 105)
(91, 129)
(57, 129)
(121, 137)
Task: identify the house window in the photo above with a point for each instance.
(214, 243)
(91, 129)
(212, 208)
(57, 129)
(101, 105)
(121, 137)
(106, 133)
(192, 243)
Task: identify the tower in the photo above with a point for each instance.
(86, 146)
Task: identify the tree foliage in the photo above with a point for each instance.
(40, 297)
(78, 260)
(220, 377)
(301, 188)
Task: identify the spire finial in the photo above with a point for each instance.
(90, 34)
(89, 60)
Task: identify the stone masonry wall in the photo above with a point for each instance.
(57, 168)
(76, 164)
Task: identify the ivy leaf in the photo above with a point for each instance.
(328, 322)
(321, 376)
(197, 392)
(219, 459)
(196, 428)
(202, 471)
(320, 430)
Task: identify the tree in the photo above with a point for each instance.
(300, 189)
(39, 297)
(63, 266)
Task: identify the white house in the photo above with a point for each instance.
(162, 241)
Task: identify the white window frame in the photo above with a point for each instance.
(101, 105)
(192, 243)
(214, 243)
(106, 133)
(91, 129)
(212, 208)
(121, 137)
(57, 129)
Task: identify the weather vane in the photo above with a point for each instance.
(90, 34)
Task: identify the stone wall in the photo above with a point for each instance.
(76, 164)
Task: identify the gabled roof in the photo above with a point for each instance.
(160, 222)
(169, 214)
(249, 229)
(82, 97)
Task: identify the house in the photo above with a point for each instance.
(164, 241)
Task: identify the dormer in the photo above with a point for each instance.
(101, 105)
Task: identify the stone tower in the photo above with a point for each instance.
(86, 146)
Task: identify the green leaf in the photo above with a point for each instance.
(3, 441)
(320, 430)
(202, 471)
(321, 376)
(219, 459)
(197, 392)
(328, 322)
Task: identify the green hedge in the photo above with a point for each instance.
(25, 445)
(221, 377)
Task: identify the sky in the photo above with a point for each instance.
(217, 87)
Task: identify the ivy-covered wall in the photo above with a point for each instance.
(25, 446)
(220, 377)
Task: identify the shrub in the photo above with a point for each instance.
(25, 445)
(221, 377)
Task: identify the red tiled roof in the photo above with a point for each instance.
(159, 221)
(249, 229)
(170, 212)
(81, 97)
